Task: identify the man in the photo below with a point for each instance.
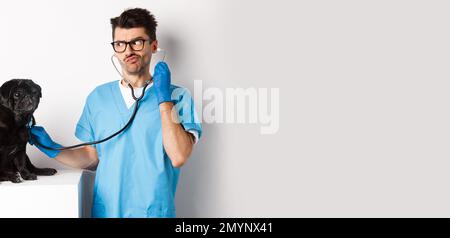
(137, 171)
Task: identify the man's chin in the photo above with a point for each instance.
(133, 71)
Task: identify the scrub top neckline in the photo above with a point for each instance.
(120, 101)
(126, 93)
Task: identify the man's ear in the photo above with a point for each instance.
(154, 46)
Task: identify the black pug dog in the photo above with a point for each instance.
(19, 98)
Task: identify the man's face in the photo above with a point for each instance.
(135, 62)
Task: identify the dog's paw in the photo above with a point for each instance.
(15, 179)
(29, 177)
(45, 171)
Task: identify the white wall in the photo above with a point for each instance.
(364, 119)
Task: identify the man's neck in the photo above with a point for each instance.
(137, 81)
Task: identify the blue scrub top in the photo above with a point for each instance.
(135, 177)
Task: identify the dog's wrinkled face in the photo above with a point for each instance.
(20, 95)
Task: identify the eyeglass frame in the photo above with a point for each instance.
(128, 43)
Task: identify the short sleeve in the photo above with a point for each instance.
(84, 131)
(195, 134)
(185, 107)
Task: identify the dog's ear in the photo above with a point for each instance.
(33, 86)
(39, 89)
(5, 93)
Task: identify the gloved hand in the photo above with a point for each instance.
(40, 135)
(161, 82)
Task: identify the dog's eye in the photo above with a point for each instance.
(16, 94)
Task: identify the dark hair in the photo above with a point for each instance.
(136, 17)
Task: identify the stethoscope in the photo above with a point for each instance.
(137, 99)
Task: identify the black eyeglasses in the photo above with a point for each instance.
(121, 46)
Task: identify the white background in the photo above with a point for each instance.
(364, 118)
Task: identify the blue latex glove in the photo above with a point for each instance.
(161, 82)
(38, 133)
